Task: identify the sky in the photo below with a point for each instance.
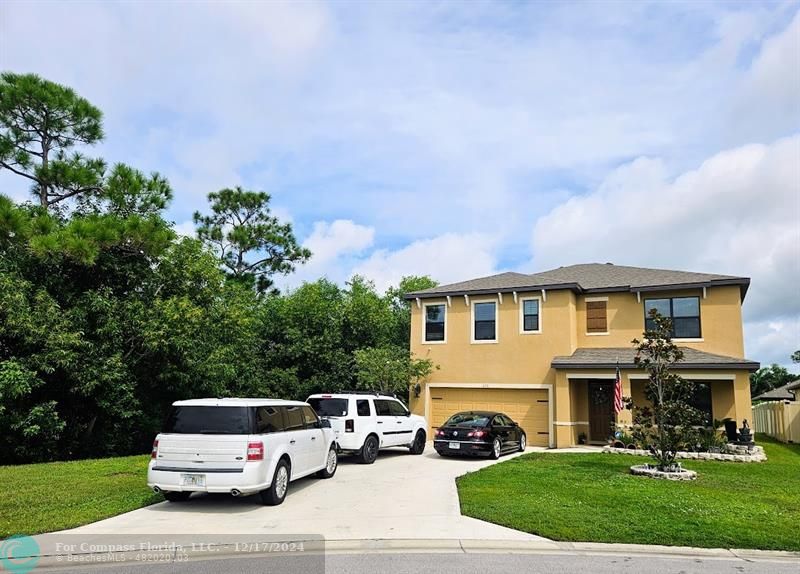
(461, 139)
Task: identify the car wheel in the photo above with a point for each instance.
(331, 464)
(177, 496)
(276, 492)
(496, 449)
(369, 452)
(418, 446)
(522, 441)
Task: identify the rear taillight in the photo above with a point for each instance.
(154, 452)
(349, 425)
(439, 433)
(478, 433)
(255, 451)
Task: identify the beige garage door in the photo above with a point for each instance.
(528, 407)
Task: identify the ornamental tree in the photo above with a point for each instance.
(40, 123)
(668, 393)
(390, 369)
(251, 243)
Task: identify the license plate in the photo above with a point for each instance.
(193, 479)
(455, 445)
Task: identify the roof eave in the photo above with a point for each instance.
(742, 282)
(525, 288)
(751, 366)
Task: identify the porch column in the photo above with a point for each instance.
(625, 417)
(741, 399)
(563, 433)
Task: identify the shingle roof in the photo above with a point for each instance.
(778, 394)
(587, 277)
(794, 385)
(607, 358)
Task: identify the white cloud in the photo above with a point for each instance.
(770, 92)
(185, 228)
(329, 241)
(446, 258)
(736, 214)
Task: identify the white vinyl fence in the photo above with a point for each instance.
(779, 419)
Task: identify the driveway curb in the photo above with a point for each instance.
(456, 546)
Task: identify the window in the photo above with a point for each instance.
(596, 318)
(362, 408)
(329, 407)
(434, 322)
(294, 418)
(684, 312)
(208, 420)
(530, 315)
(382, 408)
(467, 420)
(485, 321)
(268, 420)
(310, 418)
(702, 401)
(397, 409)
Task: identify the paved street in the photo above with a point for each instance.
(454, 564)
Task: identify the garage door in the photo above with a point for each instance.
(528, 407)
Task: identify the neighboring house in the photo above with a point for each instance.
(786, 392)
(543, 348)
(794, 388)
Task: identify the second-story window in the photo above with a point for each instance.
(530, 316)
(684, 312)
(485, 319)
(596, 319)
(434, 322)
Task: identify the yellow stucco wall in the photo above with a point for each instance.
(720, 320)
(525, 358)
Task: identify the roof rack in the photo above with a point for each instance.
(373, 393)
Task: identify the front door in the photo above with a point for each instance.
(601, 410)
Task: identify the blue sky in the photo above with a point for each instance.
(459, 139)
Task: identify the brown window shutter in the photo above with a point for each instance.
(596, 321)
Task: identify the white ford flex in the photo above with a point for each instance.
(365, 422)
(240, 446)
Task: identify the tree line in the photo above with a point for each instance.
(107, 315)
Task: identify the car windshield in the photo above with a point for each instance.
(329, 407)
(208, 420)
(467, 420)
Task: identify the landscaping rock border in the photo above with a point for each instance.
(652, 472)
(756, 454)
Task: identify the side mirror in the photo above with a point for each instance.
(513, 424)
(408, 413)
(324, 424)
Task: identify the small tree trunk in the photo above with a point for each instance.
(43, 187)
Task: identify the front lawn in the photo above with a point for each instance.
(36, 498)
(593, 498)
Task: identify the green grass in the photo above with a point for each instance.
(36, 498)
(593, 498)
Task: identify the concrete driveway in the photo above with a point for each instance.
(401, 496)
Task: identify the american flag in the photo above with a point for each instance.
(618, 392)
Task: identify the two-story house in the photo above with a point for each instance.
(543, 348)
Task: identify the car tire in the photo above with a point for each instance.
(177, 496)
(276, 493)
(331, 464)
(523, 440)
(369, 452)
(418, 446)
(496, 449)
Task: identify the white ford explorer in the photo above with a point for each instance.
(239, 446)
(365, 422)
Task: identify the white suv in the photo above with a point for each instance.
(365, 422)
(239, 446)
